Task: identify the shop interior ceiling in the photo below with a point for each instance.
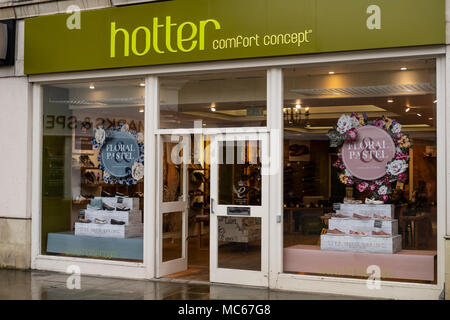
(322, 103)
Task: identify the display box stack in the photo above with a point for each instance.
(132, 228)
(381, 221)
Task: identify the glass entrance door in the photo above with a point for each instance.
(239, 209)
(173, 205)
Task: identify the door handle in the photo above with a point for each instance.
(212, 206)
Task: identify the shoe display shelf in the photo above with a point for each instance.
(129, 217)
(133, 226)
(391, 243)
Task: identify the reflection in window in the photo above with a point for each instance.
(239, 243)
(92, 169)
(314, 100)
(234, 99)
(239, 173)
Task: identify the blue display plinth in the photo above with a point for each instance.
(109, 248)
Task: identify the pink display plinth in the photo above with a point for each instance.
(406, 264)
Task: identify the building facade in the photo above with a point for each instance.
(296, 145)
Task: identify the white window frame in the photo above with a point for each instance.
(277, 279)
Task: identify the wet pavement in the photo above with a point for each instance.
(42, 285)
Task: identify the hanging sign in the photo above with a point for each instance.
(366, 157)
(374, 155)
(121, 154)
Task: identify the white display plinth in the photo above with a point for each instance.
(361, 244)
(108, 230)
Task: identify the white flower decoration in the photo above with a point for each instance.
(125, 128)
(347, 173)
(100, 135)
(137, 171)
(396, 167)
(344, 124)
(355, 122)
(139, 137)
(106, 175)
(382, 190)
(396, 128)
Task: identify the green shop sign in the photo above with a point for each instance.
(181, 31)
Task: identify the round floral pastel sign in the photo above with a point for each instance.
(367, 156)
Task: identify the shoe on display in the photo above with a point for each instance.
(106, 194)
(100, 221)
(335, 232)
(117, 222)
(83, 220)
(361, 217)
(340, 216)
(373, 201)
(378, 217)
(199, 177)
(80, 198)
(122, 195)
(197, 204)
(380, 234)
(196, 193)
(122, 208)
(358, 233)
(90, 177)
(107, 207)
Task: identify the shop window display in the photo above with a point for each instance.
(93, 169)
(360, 170)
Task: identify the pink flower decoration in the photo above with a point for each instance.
(402, 177)
(384, 197)
(373, 187)
(362, 186)
(401, 156)
(351, 135)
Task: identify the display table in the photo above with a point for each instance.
(113, 248)
(405, 264)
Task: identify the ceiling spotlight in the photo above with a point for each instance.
(430, 118)
(407, 109)
(213, 109)
(307, 109)
(141, 110)
(419, 114)
(142, 84)
(390, 100)
(92, 87)
(403, 68)
(330, 72)
(298, 106)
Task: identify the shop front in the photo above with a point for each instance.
(296, 145)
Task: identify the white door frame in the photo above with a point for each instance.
(238, 276)
(180, 264)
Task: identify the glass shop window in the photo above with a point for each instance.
(360, 170)
(228, 99)
(93, 169)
